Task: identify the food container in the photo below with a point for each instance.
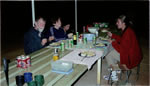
(89, 36)
(62, 66)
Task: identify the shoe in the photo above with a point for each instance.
(106, 77)
(113, 73)
(118, 71)
(114, 78)
(109, 69)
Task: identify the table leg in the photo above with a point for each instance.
(99, 72)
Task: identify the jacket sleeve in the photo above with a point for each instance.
(124, 43)
(28, 43)
(31, 43)
(116, 37)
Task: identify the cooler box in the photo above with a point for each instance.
(62, 66)
(89, 36)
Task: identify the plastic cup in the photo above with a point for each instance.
(19, 80)
(39, 84)
(27, 77)
(32, 83)
(39, 79)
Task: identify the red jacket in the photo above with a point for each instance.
(128, 47)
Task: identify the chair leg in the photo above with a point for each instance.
(121, 75)
(109, 79)
(128, 73)
(138, 70)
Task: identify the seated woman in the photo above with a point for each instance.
(126, 47)
(57, 31)
(66, 28)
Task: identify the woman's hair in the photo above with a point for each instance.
(55, 19)
(126, 20)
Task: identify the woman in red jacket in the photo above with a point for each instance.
(126, 47)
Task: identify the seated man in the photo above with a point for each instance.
(32, 38)
(57, 31)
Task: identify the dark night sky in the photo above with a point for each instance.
(17, 15)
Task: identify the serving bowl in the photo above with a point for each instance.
(93, 29)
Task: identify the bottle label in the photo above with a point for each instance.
(74, 37)
(55, 57)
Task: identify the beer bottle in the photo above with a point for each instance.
(55, 56)
(74, 40)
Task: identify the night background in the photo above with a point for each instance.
(17, 16)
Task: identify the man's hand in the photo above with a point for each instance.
(44, 41)
(51, 38)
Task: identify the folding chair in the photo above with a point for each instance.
(128, 73)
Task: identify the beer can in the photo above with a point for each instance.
(94, 40)
(28, 61)
(85, 40)
(19, 60)
(80, 40)
(71, 43)
(62, 46)
(67, 44)
(23, 62)
(77, 33)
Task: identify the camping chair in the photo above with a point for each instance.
(123, 68)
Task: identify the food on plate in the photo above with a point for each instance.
(83, 54)
(88, 54)
(55, 44)
(104, 30)
(100, 44)
(104, 38)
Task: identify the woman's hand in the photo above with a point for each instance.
(109, 34)
(109, 40)
(51, 38)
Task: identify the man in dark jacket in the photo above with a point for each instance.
(32, 38)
